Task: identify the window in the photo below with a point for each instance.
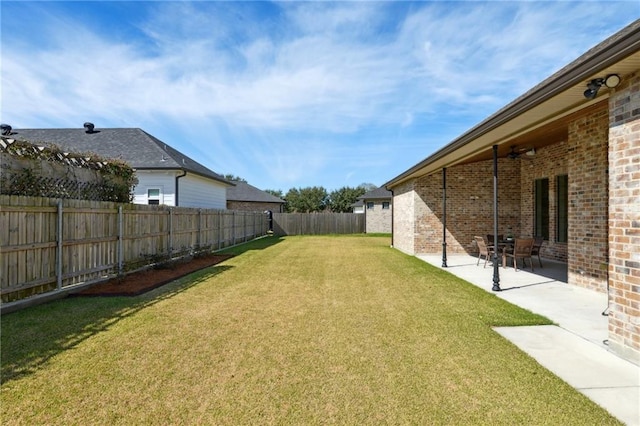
(153, 196)
(562, 203)
(541, 208)
(369, 205)
(385, 205)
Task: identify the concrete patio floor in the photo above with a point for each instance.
(576, 348)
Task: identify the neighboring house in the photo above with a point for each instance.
(376, 205)
(568, 169)
(165, 175)
(246, 197)
(358, 207)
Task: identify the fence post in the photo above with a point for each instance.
(199, 229)
(59, 248)
(233, 226)
(120, 242)
(170, 233)
(219, 228)
(245, 227)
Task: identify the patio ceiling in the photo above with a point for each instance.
(541, 116)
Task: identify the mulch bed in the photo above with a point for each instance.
(140, 282)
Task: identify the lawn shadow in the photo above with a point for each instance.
(32, 336)
(257, 244)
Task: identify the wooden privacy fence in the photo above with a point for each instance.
(49, 245)
(318, 223)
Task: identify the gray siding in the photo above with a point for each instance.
(165, 181)
(196, 191)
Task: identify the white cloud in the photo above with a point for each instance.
(288, 95)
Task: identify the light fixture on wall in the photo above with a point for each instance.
(611, 81)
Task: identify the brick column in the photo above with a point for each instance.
(403, 217)
(588, 199)
(624, 218)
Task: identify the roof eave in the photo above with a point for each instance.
(186, 170)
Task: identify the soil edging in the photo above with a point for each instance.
(143, 281)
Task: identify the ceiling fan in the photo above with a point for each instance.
(518, 152)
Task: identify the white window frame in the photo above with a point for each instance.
(159, 197)
(370, 205)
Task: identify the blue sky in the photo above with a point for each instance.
(289, 94)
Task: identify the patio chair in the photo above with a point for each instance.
(484, 249)
(521, 250)
(537, 247)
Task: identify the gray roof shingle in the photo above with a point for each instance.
(376, 194)
(245, 192)
(134, 146)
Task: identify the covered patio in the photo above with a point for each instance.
(558, 162)
(576, 349)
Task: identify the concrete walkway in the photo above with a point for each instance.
(576, 349)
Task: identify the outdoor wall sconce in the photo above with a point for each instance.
(611, 81)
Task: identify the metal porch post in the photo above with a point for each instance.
(444, 217)
(496, 269)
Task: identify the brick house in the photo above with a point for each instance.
(377, 207)
(246, 197)
(568, 168)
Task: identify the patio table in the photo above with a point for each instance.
(503, 246)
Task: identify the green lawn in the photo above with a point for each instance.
(298, 330)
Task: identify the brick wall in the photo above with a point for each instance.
(403, 217)
(549, 162)
(624, 218)
(469, 205)
(428, 233)
(588, 200)
(470, 202)
(378, 219)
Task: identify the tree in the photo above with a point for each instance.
(278, 193)
(367, 186)
(306, 200)
(341, 199)
(234, 178)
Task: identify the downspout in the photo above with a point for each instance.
(184, 173)
(605, 312)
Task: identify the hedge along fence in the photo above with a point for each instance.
(49, 245)
(318, 223)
